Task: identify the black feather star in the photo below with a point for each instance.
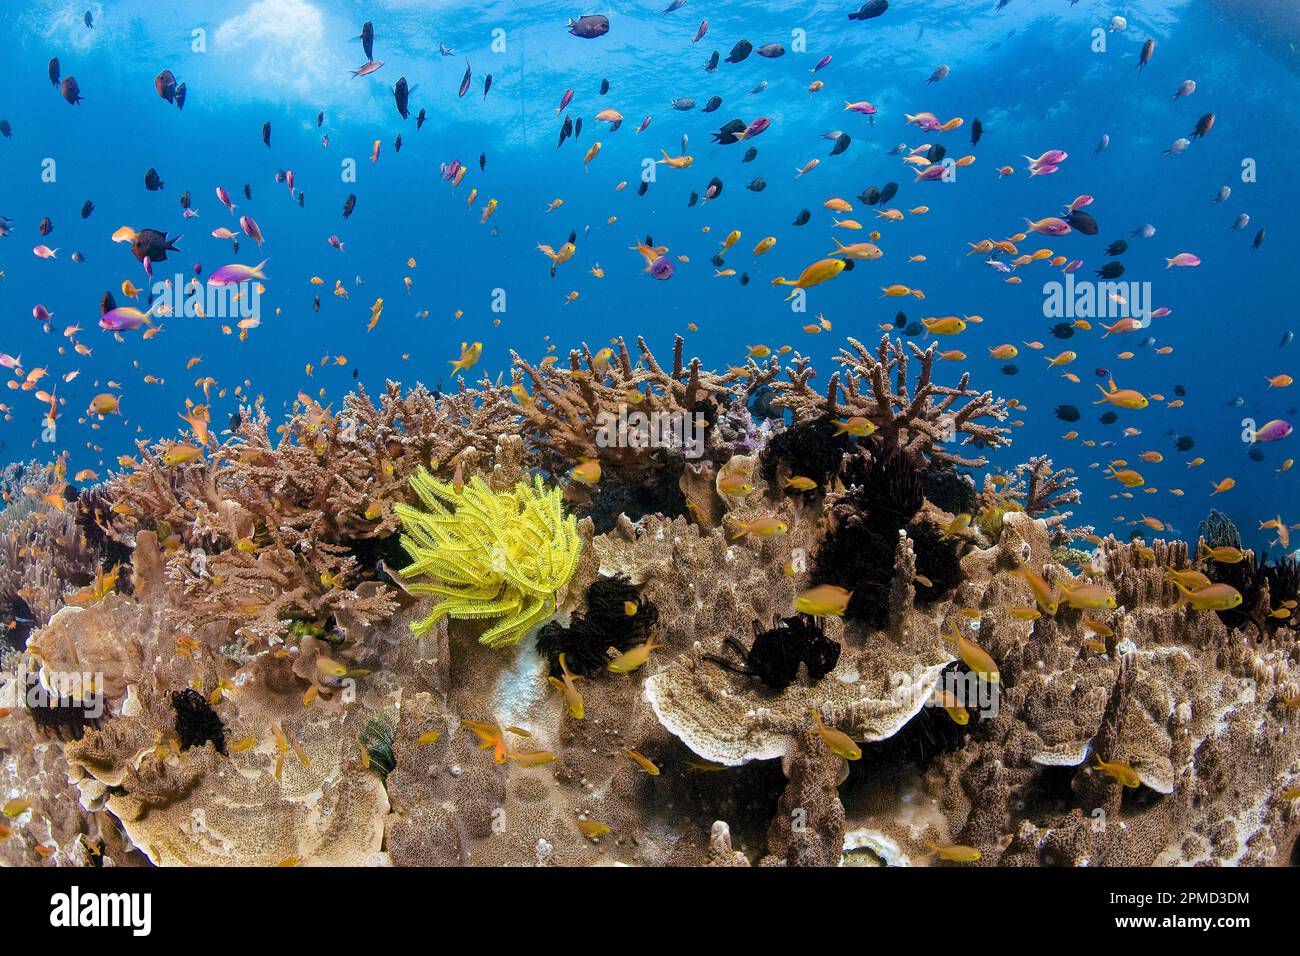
(776, 654)
(196, 721)
(617, 616)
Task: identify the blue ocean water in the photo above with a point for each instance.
(1031, 72)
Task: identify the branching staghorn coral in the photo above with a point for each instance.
(490, 554)
(1047, 488)
(324, 475)
(425, 428)
(265, 529)
(1043, 490)
(565, 408)
(921, 418)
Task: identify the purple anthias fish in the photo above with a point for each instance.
(464, 80)
(125, 318)
(224, 198)
(449, 170)
(822, 63)
(251, 229)
(1050, 226)
(367, 68)
(1274, 430)
(754, 128)
(699, 34)
(236, 273)
(1053, 157)
(565, 100)
(590, 26)
(1045, 169)
(931, 173)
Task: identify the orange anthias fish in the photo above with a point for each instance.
(490, 736)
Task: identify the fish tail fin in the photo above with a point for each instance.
(257, 269)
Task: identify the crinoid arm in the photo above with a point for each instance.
(488, 554)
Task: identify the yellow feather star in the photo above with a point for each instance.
(488, 554)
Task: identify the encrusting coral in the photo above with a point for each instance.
(409, 632)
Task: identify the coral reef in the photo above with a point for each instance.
(410, 633)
